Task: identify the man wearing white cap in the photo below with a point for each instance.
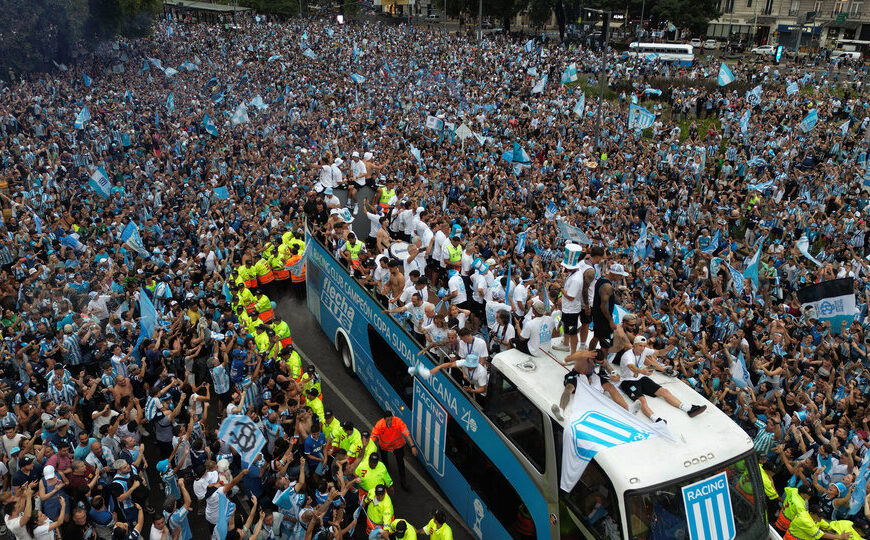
(604, 300)
(330, 199)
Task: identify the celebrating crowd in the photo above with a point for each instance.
(151, 214)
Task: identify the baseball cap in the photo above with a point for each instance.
(163, 466)
(26, 460)
(539, 307)
(617, 269)
(48, 472)
(380, 489)
(15, 450)
(639, 339)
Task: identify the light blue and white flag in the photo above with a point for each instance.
(572, 233)
(243, 435)
(580, 107)
(736, 278)
(618, 313)
(133, 240)
(240, 116)
(803, 245)
(416, 153)
(753, 97)
(310, 54)
(170, 71)
(226, 508)
(330, 32)
(639, 117)
(810, 121)
(170, 103)
(155, 62)
(857, 500)
(570, 73)
(844, 128)
(357, 78)
(209, 125)
(638, 252)
(275, 57)
(739, 373)
(551, 210)
(296, 268)
(714, 243)
(744, 121)
(751, 270)
(726, 77)
(520, 248)
(82, 118)
(37, 221)
(88, 81)
(100, 183)
(792, 88)
(762, 186)
(593, 423)
(519, 155)
(147, 314)
(221, 193)
(539, 86)
(529, 46)
(258, 103)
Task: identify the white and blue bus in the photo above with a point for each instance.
(681, 53)
(499, 464)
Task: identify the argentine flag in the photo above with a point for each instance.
(550, 211)
(310, 54)
(82, 118)
(739, 373)
(357, 78)
(639, 117)
(726, 77)
(132, 239)
(751, 270)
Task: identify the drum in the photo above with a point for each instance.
(399, 250)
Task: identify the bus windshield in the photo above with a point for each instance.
(659, 512)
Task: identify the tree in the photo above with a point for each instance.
(540, 12)
(504, 10)
(111, 18)
(691, 14)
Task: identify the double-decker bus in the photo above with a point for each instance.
(499, 462)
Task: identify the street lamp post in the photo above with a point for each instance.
(602, 73)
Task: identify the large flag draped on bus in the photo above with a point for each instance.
(832, 300)
(593, 423)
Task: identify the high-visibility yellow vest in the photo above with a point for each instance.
(381, 513)
(353, 249)
(294, 362)
(387, 195)
(263, 304)
(455, 253)
(369, 478)
(246, 297)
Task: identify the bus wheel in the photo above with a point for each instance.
(346, 354)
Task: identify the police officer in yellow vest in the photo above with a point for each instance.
(372, 472)
(290, 358)
(794, 500)
(265, 276)
(282, 330)
(399, 529)
(261, 338)
(771, 496)
(387, 195)
(265, 309)
(351, 250)
(805, 526)
(249, 274)
(454, 252)
(437, 528)
(310, 379)
(331, 429)
(379, 508)
(350, 440)
(312, 399)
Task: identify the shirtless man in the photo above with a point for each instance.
(623, 336)
(589, 363)
(395, 285)
(383, 239)
(122, 388)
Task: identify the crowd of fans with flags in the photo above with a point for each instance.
(147, 189)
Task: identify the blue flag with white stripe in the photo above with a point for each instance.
(529, 46)
(539, 86)
(309, 54)
(572, 233)
(88, 81)
(744, 121)
(751, 270)
(857, 500)
(240, 116)
(638, 252)
(810, 121)
(570, 73)
(521, 242)
(357, 78)
(170, 103)
(726, 77)
(580, 107)
(221, 192)
(792, 88)
(832, 301)
(226, 508)
(714, 243)
(243, 435)
(551, 210)
(132, 239)
(736, 279)
(82, 118)
(639, 117)
(100, 183)
(753, 97)
(147, 314)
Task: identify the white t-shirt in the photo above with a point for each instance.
(539, 332)
(438, 247)
(15, 527)
(520, 295)
(44, 532)
(455, 284)
(374, 224)
(478, 376)
(478, 282)
(574, 288)
(358, 170)
(417, 263)
(159, 534)
(502, 333)
(491, 309)
(639, 362)
(416, 315)
(478, 347)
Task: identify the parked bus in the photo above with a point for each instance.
(681, 53)
(499, 464)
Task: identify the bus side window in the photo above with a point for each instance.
(391, 366)
(517, 417)
(487, 481)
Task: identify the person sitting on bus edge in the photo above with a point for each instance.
(450, 345)
(437, 528)
(636, 383)
(534, 338)
(351, 249)
(589, 363)
(473, 370)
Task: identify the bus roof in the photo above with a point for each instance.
(708, 439)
